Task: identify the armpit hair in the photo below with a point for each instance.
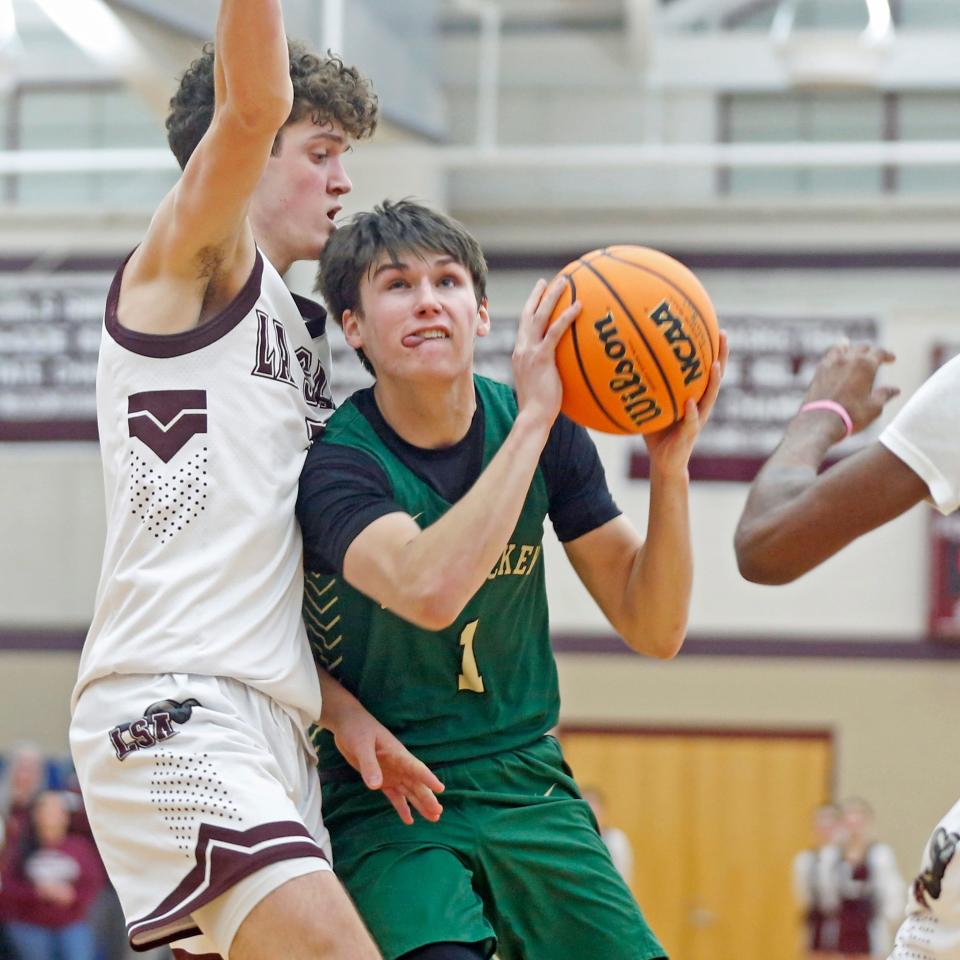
(209, 260)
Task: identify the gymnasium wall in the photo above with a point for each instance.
(51, 507)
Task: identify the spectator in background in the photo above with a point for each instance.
(22, 780)
(870, 890)
(49, 884)
(617, 842)
(6, 950)
(25, 778)
(814, 883)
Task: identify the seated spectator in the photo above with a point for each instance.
(49, 884)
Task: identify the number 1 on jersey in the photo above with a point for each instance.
(470, 678)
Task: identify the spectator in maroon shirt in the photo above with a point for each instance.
(49, 885)
(25, 778)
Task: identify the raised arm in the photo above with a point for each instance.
(428, 576)
(795, 518)
(199, 249)
(643, 586)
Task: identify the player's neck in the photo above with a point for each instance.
(430, 416)
(280, 259)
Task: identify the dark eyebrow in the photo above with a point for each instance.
(444, 261)
(390, 265)
(327, 135)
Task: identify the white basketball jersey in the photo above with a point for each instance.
(932, 928)
(203, 434)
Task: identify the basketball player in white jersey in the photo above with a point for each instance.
(795, 519)
(196, 683)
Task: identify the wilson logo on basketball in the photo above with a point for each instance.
(682, 346)
(636, 368)
(626, 384)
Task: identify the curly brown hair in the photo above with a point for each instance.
(323, 87)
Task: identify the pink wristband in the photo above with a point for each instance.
(834, 407)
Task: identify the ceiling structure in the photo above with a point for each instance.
(453, 84)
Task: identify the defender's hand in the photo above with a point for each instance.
(847, 375)
(386, 764)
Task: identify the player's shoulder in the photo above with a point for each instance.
(937, 395)
(495, 390)
(345, 422)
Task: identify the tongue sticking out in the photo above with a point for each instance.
(415, 339)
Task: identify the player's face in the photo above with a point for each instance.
(298, 196)
(419, 317)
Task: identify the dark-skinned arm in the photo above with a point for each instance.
(795, 517)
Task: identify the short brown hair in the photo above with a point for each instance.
(323, 87)
(391, 228)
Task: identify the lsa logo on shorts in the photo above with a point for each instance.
(155, 726)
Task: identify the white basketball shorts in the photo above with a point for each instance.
(192, 784)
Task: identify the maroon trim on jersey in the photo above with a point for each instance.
(167, 345)
(184, 955)
(224, 857)
(313, 315)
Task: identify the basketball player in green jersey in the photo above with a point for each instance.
(422, 511)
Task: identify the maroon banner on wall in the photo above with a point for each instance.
(49, 338)
(772, 361)
(50, 328)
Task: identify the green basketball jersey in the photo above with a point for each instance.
(486, 683)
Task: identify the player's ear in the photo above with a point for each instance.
(350, 322)
(483, 318)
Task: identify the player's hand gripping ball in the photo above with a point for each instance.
(643, 344)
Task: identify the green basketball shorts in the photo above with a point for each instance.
(516, 862)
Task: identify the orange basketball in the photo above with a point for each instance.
(642, 345)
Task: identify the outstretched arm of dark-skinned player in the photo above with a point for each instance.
(795, 517)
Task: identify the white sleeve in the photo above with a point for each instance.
(925, 435)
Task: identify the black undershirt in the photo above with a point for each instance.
(343, 490)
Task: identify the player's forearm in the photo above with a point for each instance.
(339, 705)
(253, 58)
(448, 562)
(770, 540)
(657, 596)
